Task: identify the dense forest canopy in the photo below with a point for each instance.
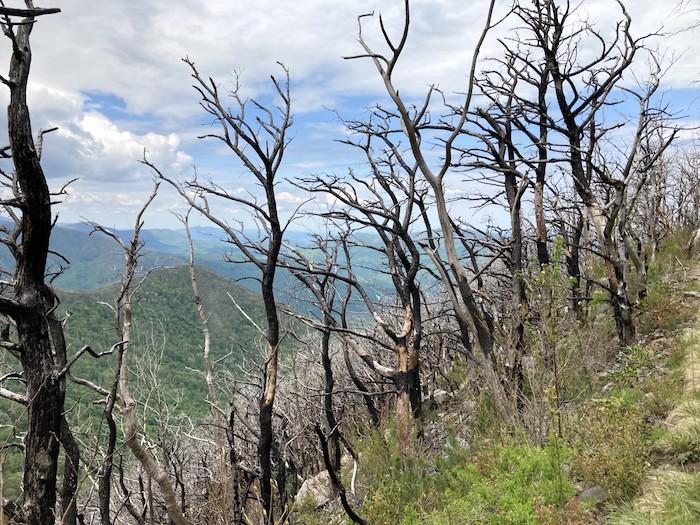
(468, 312)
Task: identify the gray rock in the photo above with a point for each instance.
(593, 495)
(439, 396)
(317, 489)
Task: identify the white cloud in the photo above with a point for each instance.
(101, 141)
(289, 198)
(133, 49)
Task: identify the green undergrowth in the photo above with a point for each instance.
(624, 413)
(613, 435)
(671, 492)
(509, 482)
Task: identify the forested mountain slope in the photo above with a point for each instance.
(167, 329)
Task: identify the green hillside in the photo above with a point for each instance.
(167, 338)
(165, 321)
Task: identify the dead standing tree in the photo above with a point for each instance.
(29, 301)
(315, 272)
(385, 203)
(121, 389)
(501, 157)
(257, 137)
(412, 123)
(583, 89)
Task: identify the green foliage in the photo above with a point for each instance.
(613, 435)
(165, 320)
(166, 340)
(610, 447)
(304, 513)
(501, 484)
(636, 363)
(659, 309)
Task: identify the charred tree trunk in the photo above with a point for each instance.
(519, 295)
(237, 503)
(260, 146)
(406, 379)
(328, 386)
(104, 487)
(34, 301)
(361, 387)
(267, 398)
(573, 266)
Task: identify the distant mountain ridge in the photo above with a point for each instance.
(95, 261)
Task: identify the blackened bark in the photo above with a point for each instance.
(541, 170)
(359, 384)
(573, 264)
(336, 481)
(267, 397)
(237, 502)
(328, 386)
(104, 487)
(39, 357)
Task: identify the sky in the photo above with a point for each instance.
(109, 74)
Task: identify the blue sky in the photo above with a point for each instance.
(109, 75)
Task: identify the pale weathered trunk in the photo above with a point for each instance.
(132, 431)
(475, 317)
(619, 296)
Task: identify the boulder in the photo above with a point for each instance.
(316, 489)
(439, 396)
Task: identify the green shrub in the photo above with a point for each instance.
(506, 485)
(394, 485)
(501, 484)
(611, 442)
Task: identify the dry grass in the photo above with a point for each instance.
(670, 498)
(671, 495)
(692, 362)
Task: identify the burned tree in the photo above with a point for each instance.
(384, 204)
(413, 123)
(316, 272)
(122, 309)
(28, 301)
(257, 136)
(583, 89)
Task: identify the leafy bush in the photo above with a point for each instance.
(502, 484)
(610, 448)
